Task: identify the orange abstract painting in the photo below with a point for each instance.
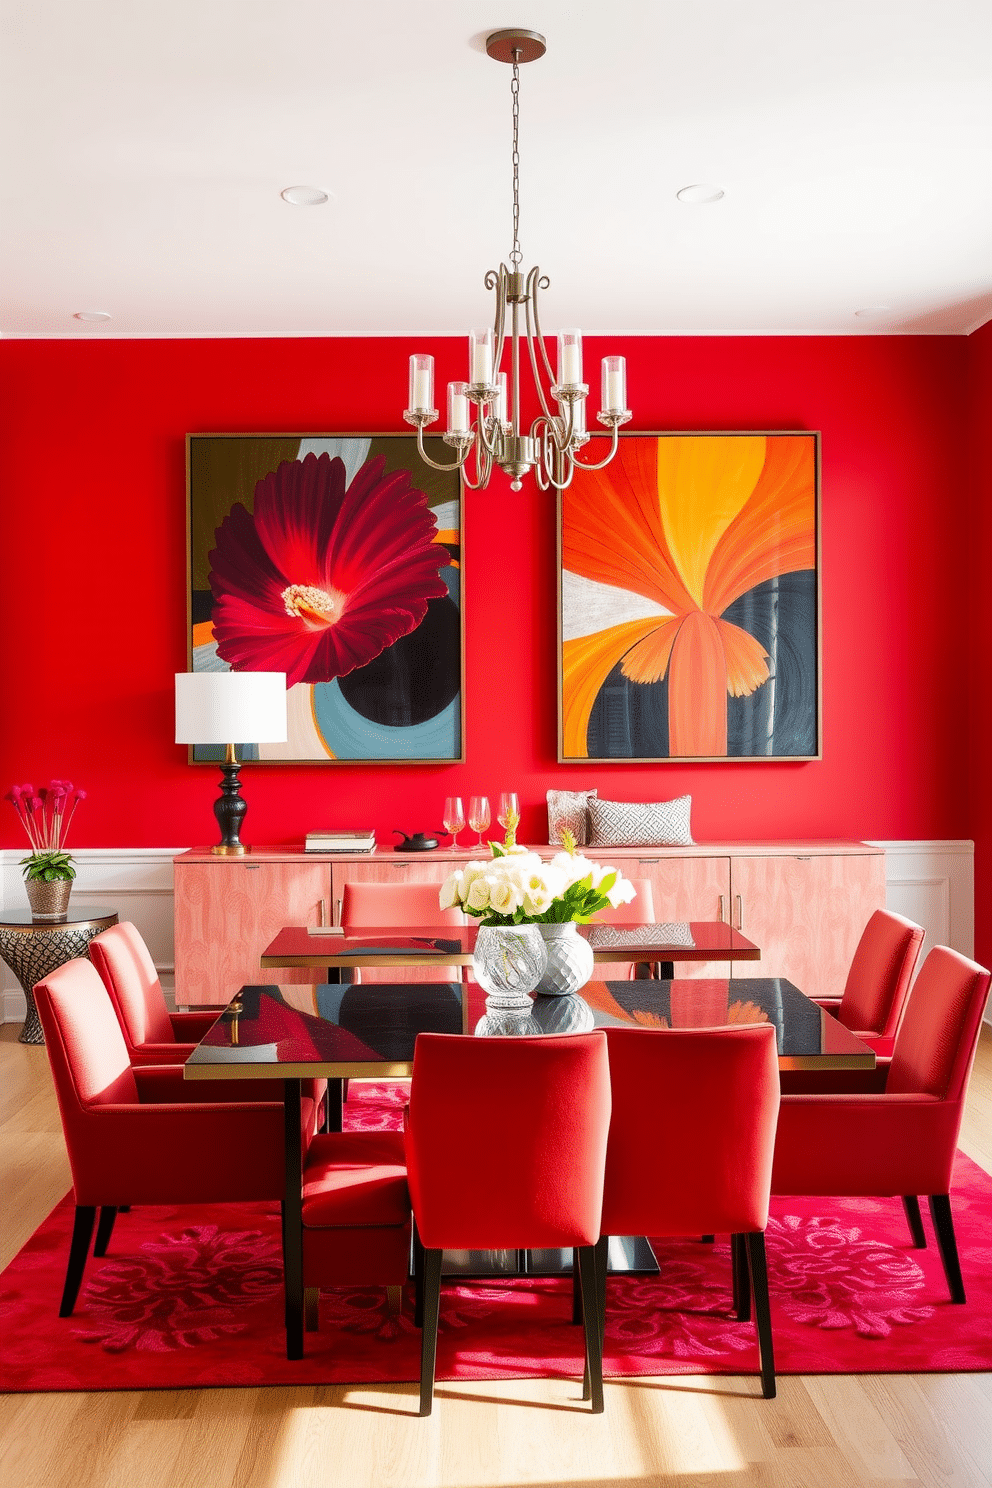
(688, 602)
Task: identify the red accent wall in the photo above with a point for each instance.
(980, 632)
(94, 611)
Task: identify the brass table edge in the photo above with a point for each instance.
(320, 1070)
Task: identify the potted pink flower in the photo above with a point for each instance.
(45, 815)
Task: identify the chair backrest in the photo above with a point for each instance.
(128, 971)
(506, 1140)
(693, 1130)
(396, 904)
(880, 975)
(640, 908)
(86, 1049)
(936, 1043)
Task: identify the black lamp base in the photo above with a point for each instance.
(229, 809)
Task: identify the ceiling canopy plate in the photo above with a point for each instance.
(516, 45)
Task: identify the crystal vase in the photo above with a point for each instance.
(569, 960)
(509, 961)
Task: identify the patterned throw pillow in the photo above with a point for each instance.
(569, 809)
(641, 823)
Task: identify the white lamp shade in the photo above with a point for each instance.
(230, 707)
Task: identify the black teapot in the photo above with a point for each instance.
(419, 842)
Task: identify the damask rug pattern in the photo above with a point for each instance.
(192, 1297)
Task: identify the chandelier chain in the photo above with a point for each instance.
(516, 257)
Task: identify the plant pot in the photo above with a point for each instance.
(509, 961)
(49, 901)
(569, 960)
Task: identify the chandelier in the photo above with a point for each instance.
(492, 434)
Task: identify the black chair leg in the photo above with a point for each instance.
(940, 1213)
(418, 1279)
(914, 1219)
(576, 1290)
(755, 1243)
(104, 1229)
(82, 1234)
(428, 1338)
(334, 1104)
(593, 1377)
(742, 1278)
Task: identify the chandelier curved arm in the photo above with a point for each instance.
(556, 465)
(535, 340)
(536, 281)
(600, 464)
(458, 463)
(496, 279)
(488, 439)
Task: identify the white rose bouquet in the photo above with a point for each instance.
(517, 888)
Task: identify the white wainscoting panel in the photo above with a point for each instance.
(930, 882)
(135, 881)
(933, 883)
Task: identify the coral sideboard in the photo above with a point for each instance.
(804, 903)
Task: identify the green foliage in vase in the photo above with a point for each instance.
(47, 867)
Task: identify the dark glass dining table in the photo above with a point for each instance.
(659, 944)
(349, 1030)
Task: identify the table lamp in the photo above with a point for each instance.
(221, 707)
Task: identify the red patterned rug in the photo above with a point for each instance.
(189, 1298)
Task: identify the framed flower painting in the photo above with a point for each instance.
(337, 560)
(689, 601)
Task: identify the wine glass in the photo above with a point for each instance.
(509, 813)
(478, 815)
(454, 817)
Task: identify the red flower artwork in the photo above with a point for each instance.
(323, 576)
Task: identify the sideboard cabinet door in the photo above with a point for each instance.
(227, 912)
(681, 889)
(806, 912)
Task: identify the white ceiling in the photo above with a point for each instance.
(145, 144)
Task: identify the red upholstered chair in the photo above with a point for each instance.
(879, 979)
(152, 1034)
(138, 1136)
(506, 1141)
(690, 1149)
(400, 904)
(899, 1134)
(356, 1215)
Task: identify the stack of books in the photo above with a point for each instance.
(356, 841)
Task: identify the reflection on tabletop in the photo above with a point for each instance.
(372, 1028)
(670, 933)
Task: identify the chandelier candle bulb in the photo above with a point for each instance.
(499, 403)
(569, 358)
(578, 421)
(614, 399)
(457, 408)
(480, 357)
(421, 383)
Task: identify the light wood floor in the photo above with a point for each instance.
(928, 1431)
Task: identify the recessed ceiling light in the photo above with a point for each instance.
(700, 194)
(92, 315)
(304, 196)
(867, 311)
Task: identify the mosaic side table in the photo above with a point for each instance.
(33, 948)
